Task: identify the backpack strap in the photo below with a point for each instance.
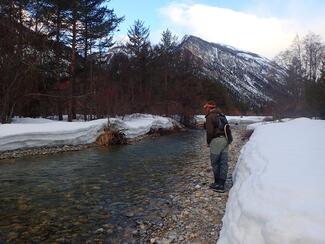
(228, 133)
(225, 131)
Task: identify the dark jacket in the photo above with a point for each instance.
(213, 126)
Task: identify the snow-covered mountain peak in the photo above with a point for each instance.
(252, 78)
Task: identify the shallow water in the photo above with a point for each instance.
(95, 194)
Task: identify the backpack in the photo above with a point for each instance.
(224, 126)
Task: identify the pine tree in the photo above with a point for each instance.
(315, 94)
(138, 45)
(13, 9)
(35, 9)
(295, 80)
(166, 49)
(321, 87)
(73, 60)
(322, 73)
(17, 65)
(97, 26)
(139, 49)
(168, 42)
(55, 15)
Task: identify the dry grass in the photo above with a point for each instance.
(109, 137)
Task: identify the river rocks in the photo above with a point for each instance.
(164, 213)
(12, 235)
(42, 151)
(187, 212)
(195, 215)
(197, 186)
(172, 236)
(130, 214)
(99, 231)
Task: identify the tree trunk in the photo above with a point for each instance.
(60, 112)
(72, 102)
(4, 109)
(57, 56)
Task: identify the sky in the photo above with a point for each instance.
(265, 27)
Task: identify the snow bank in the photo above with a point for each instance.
(255, 125)
(278, 194)
(140, 124)
(199, 119)
(247, 119)
(28, 132)
(52, 133)
(18, 120)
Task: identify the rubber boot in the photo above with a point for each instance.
(220, 187)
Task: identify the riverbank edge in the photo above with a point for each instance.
(195, 212)
(50, 150)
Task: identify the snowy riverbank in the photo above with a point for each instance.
(278, 194)
(200, 119)
(27, 133)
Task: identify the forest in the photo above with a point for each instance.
(59, 57)
(304, 62)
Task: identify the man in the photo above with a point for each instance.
(218, 137)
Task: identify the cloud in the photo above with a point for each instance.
(248, 31)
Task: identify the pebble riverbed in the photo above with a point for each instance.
(195, 212)
(39, 151)
(191, 213)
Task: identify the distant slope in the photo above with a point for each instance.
(249, 77)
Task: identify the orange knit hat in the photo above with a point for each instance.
(209, 106)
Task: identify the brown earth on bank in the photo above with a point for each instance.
(110, 137)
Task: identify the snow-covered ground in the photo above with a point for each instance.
(255, 125)
(247, 119)
(136, 125)
(28, 132)
(278, 194)
(199, 119)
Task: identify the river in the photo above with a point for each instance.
(98, 194)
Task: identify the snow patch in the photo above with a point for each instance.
(278, 194)
(235, 119)
(140, 124)
(28, 132)
(52, 133)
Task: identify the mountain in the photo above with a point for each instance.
(251, 78)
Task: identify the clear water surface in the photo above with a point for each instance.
(95, 194)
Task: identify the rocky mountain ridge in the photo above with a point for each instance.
(253, 79)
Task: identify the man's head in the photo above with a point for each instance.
(209, 106)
